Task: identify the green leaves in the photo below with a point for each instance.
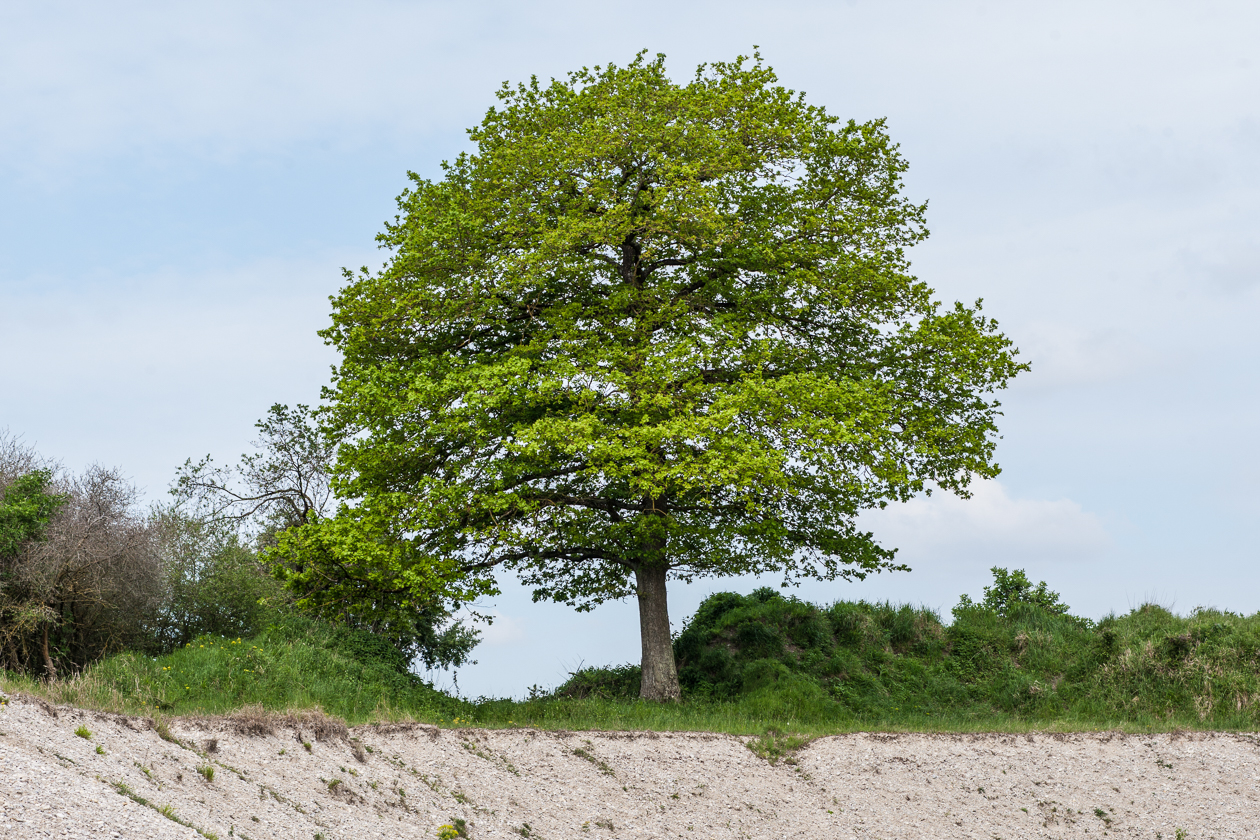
(355, 569)
(1012, 588)
(26, 510)
(651, 323)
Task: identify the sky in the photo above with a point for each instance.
(181, 184)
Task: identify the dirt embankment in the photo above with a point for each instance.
(306, 777)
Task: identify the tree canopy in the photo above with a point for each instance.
(650, 330)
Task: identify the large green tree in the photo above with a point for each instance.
(650, 330)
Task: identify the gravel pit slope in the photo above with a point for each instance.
(404, 781)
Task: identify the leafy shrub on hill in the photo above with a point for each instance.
(214, 585)
(615, 682)
(1011, 590)
(1207, 664)
(726, 648)
(761, 660)
(1016, 654)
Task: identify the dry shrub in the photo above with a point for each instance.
(252, 720)
(256, 721)
(78, 590)
(322, 725)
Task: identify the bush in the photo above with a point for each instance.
(1011, 589)
(611, 683)
(1018, 653)
(78, 566)
(213, 585)
(776, 695)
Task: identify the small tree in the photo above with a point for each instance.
(1012, 588)
(651, 330)
(27, 503)
(280, 498)
(27, 506)
(212, 583)
(285, 483)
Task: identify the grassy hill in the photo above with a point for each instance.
(749, 663)
(296, 663)
(860, 664)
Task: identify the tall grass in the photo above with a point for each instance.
(295, 664)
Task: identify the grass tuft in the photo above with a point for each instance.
(600, 764)
(773, 745)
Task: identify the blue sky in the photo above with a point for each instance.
(180, 185)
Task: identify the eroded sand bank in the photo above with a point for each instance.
(514, 783)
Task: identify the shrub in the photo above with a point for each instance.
(297, 663)
(1013, 588)
(614, 682)
(78, 566)
(213, 585)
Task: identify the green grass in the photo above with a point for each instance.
(774, 745)
(758, 664)
(297, 664)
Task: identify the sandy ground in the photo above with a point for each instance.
(524, 783)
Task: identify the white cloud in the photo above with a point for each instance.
(77, 77)
(990, 524)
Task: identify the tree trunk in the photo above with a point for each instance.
(48, 663)
(660, 674)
